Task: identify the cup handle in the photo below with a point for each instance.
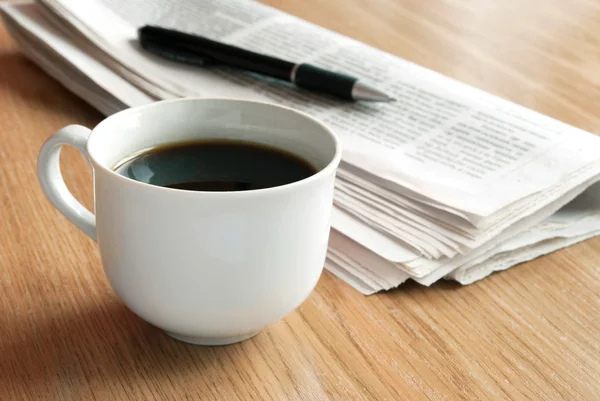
(52, 182)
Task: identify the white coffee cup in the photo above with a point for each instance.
(208, 268)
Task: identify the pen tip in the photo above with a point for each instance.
(362, 91)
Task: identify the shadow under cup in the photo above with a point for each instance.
(212, 267)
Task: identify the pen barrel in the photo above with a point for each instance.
(194, 49)
(319, 80)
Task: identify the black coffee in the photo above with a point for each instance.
(216, 165)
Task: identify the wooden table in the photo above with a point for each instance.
(532, 332)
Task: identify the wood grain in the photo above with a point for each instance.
(532, 332)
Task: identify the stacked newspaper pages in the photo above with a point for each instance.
(448, 182)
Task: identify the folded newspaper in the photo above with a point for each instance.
(448, 182)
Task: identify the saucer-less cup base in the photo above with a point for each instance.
(206, 267)
(212, 340)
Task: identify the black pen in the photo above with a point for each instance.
(198, 50)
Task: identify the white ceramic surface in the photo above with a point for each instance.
(206, 267)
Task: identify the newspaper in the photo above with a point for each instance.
(42, 41)
(369, 273)
(446, 182)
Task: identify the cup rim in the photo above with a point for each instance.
(331, 165)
